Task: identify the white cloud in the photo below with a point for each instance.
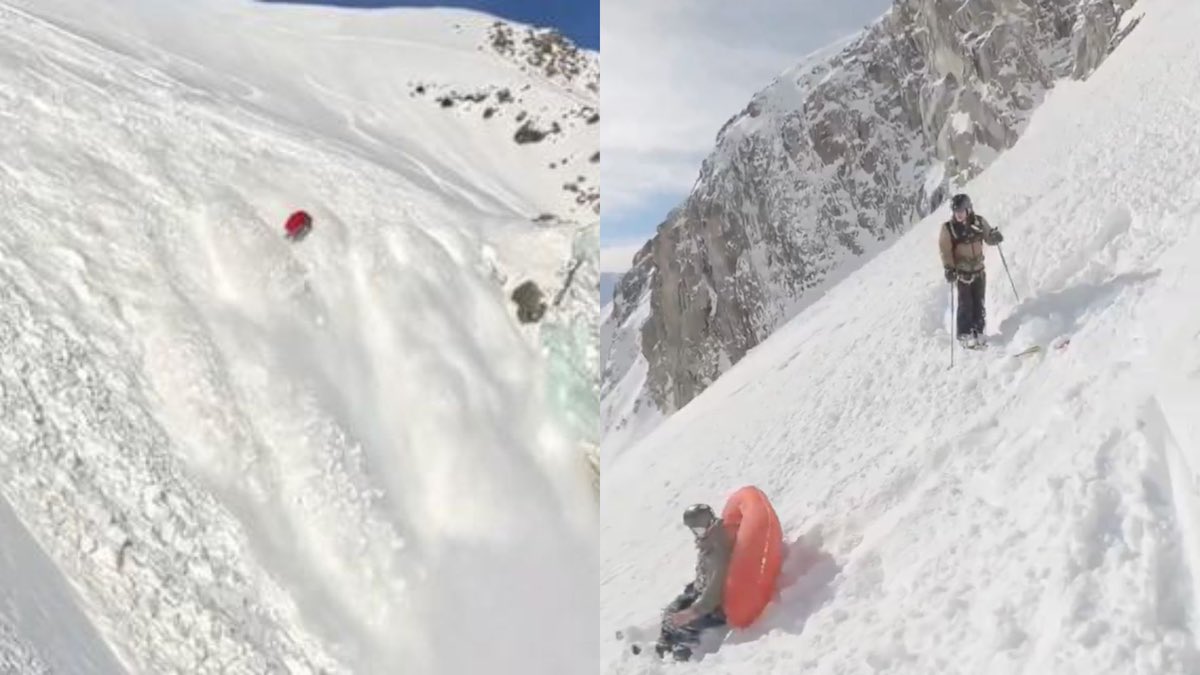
(676, 70)
(618, 258)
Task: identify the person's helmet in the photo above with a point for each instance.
(960, 202)
(699, 517)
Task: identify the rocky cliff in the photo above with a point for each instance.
(828, 164)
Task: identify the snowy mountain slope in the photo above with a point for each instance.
(291, 61)
(249, 456)
(1031, 515)
(626, 410)
(36, 601)
(834, 159)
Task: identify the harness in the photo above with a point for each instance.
(970, 227)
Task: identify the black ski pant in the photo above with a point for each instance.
(689, 633)
(971, 313)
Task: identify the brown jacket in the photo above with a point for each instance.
(964, 250)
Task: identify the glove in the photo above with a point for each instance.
(682, 618)
(951, 274)
(995, 238)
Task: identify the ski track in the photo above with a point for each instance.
(1028, 515)
(251, 456)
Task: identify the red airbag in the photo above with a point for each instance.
(757, 555)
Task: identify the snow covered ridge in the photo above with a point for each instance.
(290, 61)
(248, 455)
(549, 53)
(551, 56)
(1009, 515)
(837, 157)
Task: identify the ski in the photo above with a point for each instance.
(1038, 348)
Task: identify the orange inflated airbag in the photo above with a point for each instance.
(757, 555)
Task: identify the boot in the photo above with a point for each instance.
(662, 648)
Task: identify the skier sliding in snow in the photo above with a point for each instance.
(699, 606)
(961, 245)
(298, 225)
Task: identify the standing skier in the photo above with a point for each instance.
(961, 245)
(699, 606)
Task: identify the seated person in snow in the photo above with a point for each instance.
(699, 606)
(961, 246)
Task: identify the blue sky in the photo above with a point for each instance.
(577, 19)
(623, 231)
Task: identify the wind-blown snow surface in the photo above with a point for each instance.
(249, 456)
(1011, 515)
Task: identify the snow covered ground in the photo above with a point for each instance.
(244, 455)
(42, 629)
(1009, 515)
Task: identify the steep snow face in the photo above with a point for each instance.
(42, 629)
(1034, 514)
(341, 455)
(837, 157)
(418, 94)
(626, 411)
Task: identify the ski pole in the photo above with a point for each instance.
(1009, 274)
(953, 323)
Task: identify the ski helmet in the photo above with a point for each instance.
(699, 516)
(960, 202)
